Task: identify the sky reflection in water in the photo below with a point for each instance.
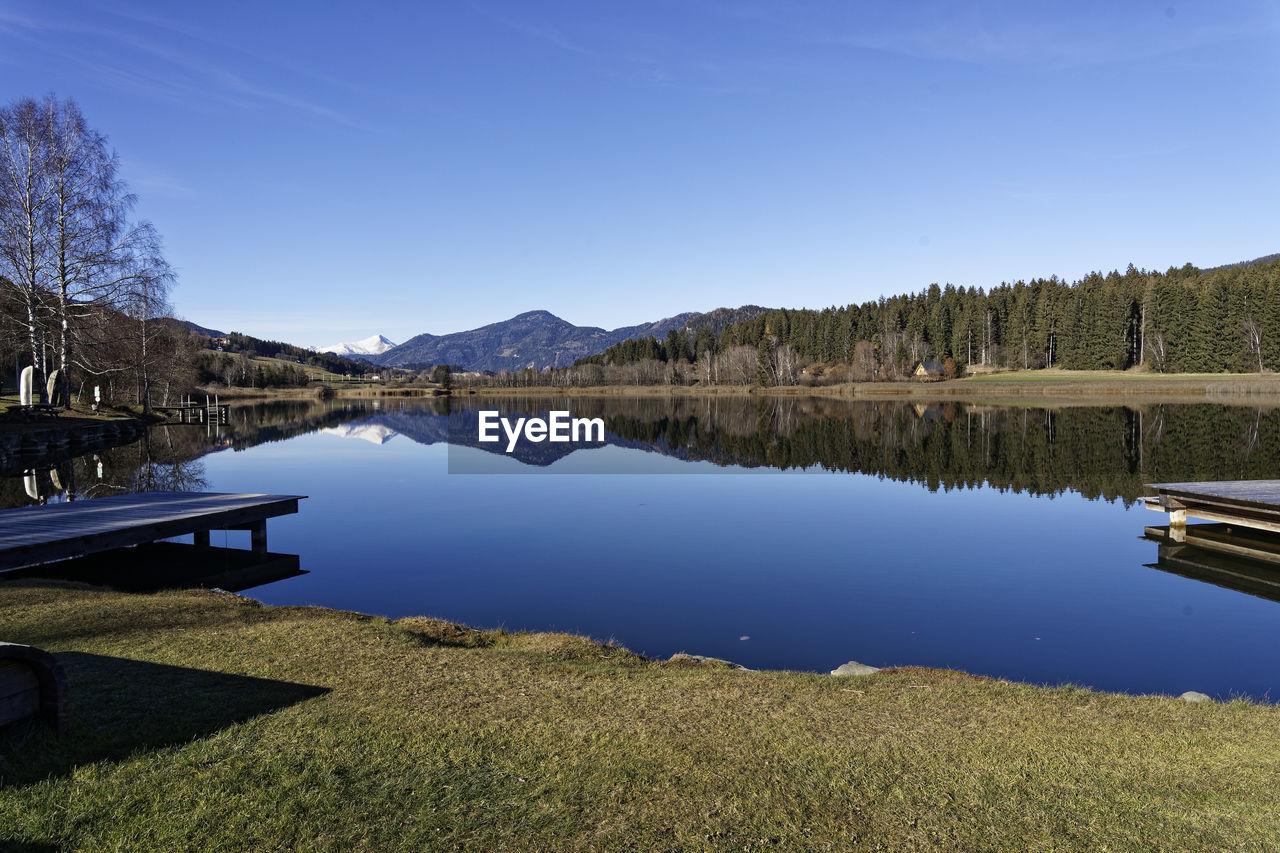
(797, 569)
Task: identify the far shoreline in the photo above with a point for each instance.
(1052, 387)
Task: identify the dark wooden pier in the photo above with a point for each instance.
(191, 412)
(43, 534)
(1246, 503)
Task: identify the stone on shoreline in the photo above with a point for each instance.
(1194, 696)
(679, 657)
(854, 668)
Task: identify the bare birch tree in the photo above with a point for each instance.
(1252, 341)
(1157, 350)
(738, 365)
(70, 249)
(24, 197)
(95, 252)
(786, 365)
(142, 270)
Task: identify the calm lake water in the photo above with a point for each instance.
(781, 534)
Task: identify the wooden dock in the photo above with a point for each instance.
(197, 413)
(42, 534)
(1247, 503)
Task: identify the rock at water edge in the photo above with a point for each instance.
(854, 668)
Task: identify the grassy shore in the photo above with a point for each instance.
(1022, 387)
(313, 392)
(72, 417)
(205, 721)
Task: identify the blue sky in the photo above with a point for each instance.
(324, 171)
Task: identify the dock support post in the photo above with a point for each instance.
(258, 538)
(200, 538)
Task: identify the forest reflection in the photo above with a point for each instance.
(1106, 452)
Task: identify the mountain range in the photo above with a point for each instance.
(540, 339)
(536, 339)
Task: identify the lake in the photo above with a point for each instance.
(780, 533)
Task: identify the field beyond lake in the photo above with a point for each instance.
(203, 720)
(1023, 387)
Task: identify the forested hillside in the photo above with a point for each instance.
(1182, 320)
(232, 363)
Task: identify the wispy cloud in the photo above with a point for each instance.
(239, 85)
(153, 182)
(230, 44)
(169, 73)
(635, 55)
(12, 20)
(548, 34)
(969, 35)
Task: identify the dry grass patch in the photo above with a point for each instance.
(207, 721)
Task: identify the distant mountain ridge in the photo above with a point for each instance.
(203, 331)
(540, 339)
(373, 345)
(1265, 259)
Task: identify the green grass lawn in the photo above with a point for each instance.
(313, 373)
(203, 721)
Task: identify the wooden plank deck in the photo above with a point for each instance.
(41, 534)
(1249, 503)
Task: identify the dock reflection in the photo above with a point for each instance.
(157, 566)
(1224, 555)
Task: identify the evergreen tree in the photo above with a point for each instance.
(764, 363)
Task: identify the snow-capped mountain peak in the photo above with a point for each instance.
(376, 345)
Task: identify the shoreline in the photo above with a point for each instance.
(39, 444)
(237, 394)
(1057, 389)
(305, 727)
(850, 670)
(1047, 388)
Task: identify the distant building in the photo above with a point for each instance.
(929, 370)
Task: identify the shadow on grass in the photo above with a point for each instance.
(119, 706)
